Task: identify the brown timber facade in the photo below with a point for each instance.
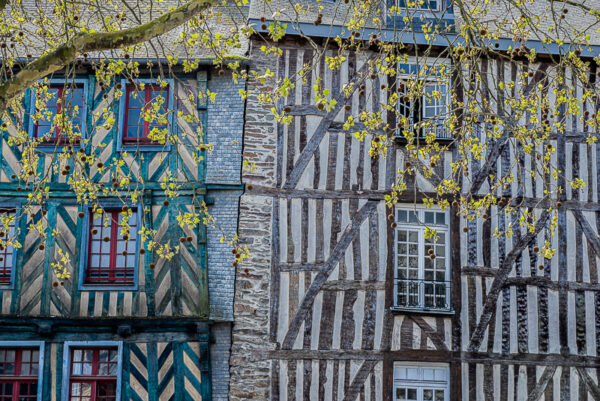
(316, 312)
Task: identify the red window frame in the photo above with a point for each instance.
(59, 105)
(111, 274)
(21, 385)
(102, 387)
(148, 89)
(7, 253)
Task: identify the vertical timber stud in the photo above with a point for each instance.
(76, 294)
(388, 362)
(204, 362)
(48, 257)
(152, 360)
(179, 372)
(203, 302)
(456, 294)
(46, 367)
(17, 277)
(148, 273)
(202, 78)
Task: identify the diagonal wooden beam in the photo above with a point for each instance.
(589, 383)
(591, 236)
(491, 158)
(294, 177)
(359, 380)
(498, 283)
(542, 383)
(430, 333)
(338, 251)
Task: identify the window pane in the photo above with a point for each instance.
(134, 117)
(136, 99)
(6, 389)
(402, 216)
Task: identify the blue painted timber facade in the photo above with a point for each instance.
(170, 322)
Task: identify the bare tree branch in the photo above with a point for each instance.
(90, 42)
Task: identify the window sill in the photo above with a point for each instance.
(401, 139)
(108, 287)
(143, 147)
(421, 311)
(52, 146)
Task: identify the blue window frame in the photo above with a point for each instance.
(110, 260)
(71, 100)
(30, 347)
(8, 254)
(132, 130)
(71, 383)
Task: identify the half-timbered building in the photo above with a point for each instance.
(116, 321)
(337, 303)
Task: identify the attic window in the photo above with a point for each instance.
(420, 5)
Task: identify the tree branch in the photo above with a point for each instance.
(90, 42)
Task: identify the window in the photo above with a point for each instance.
(93, 374)
(19, 370)
(7, 252)
(112, 247)
(65, 102)
(421, 382)
(431, 109)
(421, 274)
(421, 5)
(137, 102)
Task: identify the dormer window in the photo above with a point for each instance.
(421, 5)
(415, 14)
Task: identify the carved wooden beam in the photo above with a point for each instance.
(336, 254)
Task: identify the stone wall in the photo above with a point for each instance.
(250, 372)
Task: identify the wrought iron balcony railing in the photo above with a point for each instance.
(422, 295)
(437, 127)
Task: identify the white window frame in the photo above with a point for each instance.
(420, 226)
(421, 9)
(420, 383)
(427, 81)
(31, 344)
(66, 374)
